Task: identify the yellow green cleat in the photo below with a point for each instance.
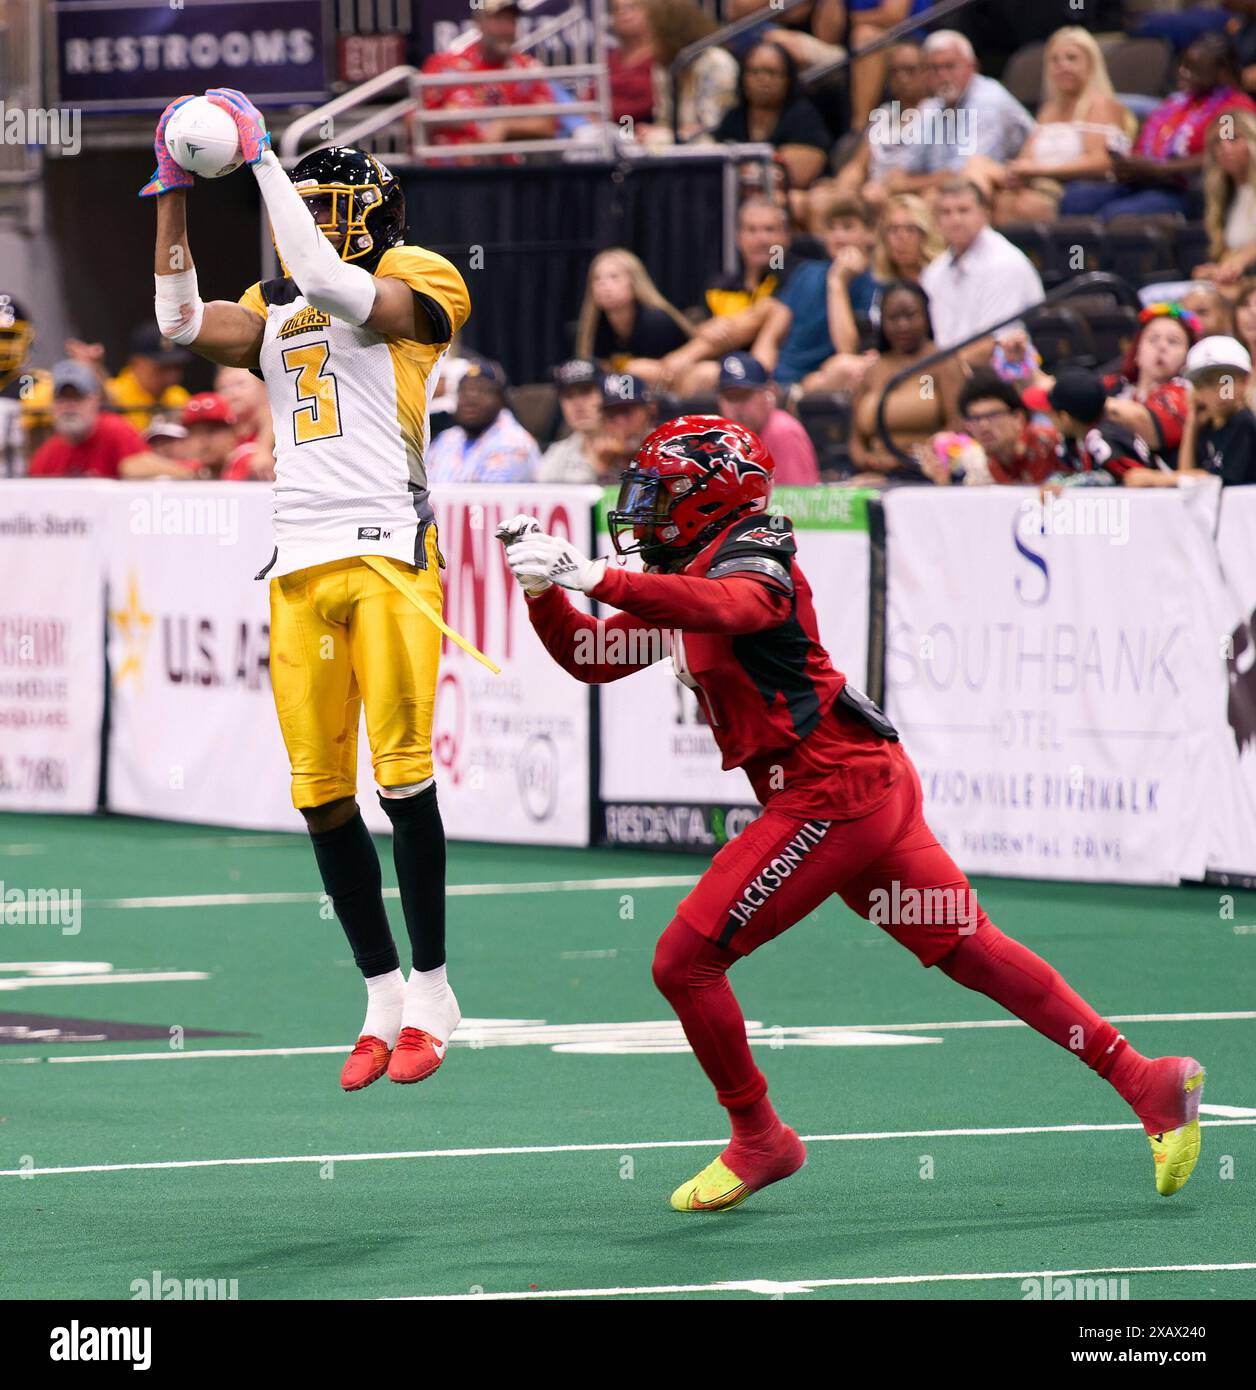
(1177, 1150)
(716, 1188)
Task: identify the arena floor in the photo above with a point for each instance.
(953, 1154)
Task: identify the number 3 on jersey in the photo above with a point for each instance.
(320, 418)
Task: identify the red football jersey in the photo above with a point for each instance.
(742, 631)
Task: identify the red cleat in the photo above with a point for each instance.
(367, 1062)
(416, 1056)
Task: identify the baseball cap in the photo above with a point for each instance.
(488, 370)
(1218, 353)
(207, 408)
(77, 375)
(148, 341)
(577, 371)
(622, 388)
(1079, 393)
(165, 429)
(739, 369)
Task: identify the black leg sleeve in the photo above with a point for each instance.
(350, 869)
(419, 854)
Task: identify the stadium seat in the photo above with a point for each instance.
(1076, 247)
(696, 405)
(1142, 67)
(1139, 251)
(1023, 74)
(1190, 247)
(536, 409)
(1111, 328)
(1034, 239)
(826, 418)
(1061, 337)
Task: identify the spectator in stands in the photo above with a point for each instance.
(1018, 450)
(571, 460)
(245, 395)
(967, 116)
(491, 52)
(869, 19)
(810, 35)
(809, 333)
(1096, 449)
(1242, 32)
(625, 324)
(214, 448)
(1230, 198)
(1245, 318)
(886, 146)
(87, 441)
(152, 379)
(738, 302)
(908, 239)
(168, 440)
(1211, 308)
(1149, 395)
(16, 337)
(918, 407)
(746, 394)
(631, 64)
(1080, 126)
(981, 278)
(1169, 151)
(1220, 436)
(628, 415)
(773, 109)
(485, 444)
(708, 86)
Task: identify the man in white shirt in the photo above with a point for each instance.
(981, 279)
(485, 444)
(967, 115)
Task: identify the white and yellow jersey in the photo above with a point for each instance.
(350, 409)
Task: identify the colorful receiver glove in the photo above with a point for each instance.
(254, 137)
(167, 175)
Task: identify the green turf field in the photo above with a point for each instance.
(946, 1160)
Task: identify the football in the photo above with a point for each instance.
(202, 139)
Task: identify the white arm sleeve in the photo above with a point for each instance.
(178, 306)
(339, 288)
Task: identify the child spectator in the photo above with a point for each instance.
(1221, 435)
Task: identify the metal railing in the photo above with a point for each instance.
(1121, 289)
(411, 106)
(903, 29)
(21, 161)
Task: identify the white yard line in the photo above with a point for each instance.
(770, 1287)
(454, 890)
(625, 1147)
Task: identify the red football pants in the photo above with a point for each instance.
(889, 867)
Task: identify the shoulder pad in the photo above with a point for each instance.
(282, 290)
(760, 547)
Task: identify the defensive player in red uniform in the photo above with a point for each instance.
(841, 800)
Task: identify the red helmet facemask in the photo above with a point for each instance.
(690, 480)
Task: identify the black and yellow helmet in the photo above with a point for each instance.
(16, 336)
(353, 194)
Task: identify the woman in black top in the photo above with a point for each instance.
(625, 323)
(774, 110)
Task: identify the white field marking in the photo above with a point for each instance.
(125, 977)
(636, 1039)
(599, 1038)
(510, 1151)
(776, 1286)
(1231, 1112)
(454, 890)
(17, 850)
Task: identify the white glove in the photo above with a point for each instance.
(511, 531)
(536, 556)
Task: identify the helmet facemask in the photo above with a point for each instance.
(641, 522)
(340, 211)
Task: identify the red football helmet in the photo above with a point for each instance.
(691, 478)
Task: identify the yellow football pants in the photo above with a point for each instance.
(343, 636)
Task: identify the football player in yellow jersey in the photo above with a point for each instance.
(348, 342)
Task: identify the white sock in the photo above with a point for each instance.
(430, 1004)
(385, 999)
